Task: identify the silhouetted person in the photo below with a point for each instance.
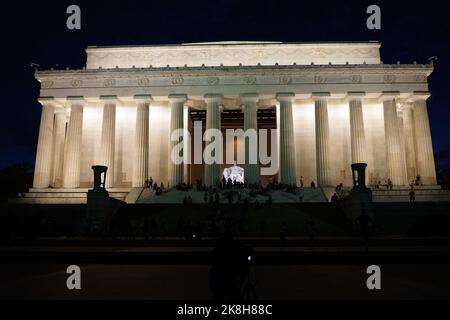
(226, 269)
(389, 184)
(313, 185)
(412, 196)
(334, 198)
(418, 180)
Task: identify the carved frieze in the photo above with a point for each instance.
(110, 82)
(142, 82)
(177, 80)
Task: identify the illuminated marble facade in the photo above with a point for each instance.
(336, 103)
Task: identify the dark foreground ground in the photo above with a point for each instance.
(410, 242)
(190, 282)
(410, 269)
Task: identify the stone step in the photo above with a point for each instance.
(67, 194)
(64, 196)
(402, 195)
(76, 190)
(48, 200)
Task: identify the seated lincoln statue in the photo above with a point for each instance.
(235, 173)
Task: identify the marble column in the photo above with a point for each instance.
(409, 135)
(72, 157)
(395, 157)
(402, 140)
(357, 134)
(43, 165)
(212, 171)
(108, 138)
(59, 140)
(324, 177)
(251, 172)
(424, 147)
(287, 145)
(176, 170)
(141, 141)
(187, 146)
(277, 114)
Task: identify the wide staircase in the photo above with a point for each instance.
(175, 196)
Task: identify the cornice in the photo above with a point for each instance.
(424, 69)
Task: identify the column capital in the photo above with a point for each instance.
(177, 97)
(389, 95)
(48, 100)
(408, 104)
(320, 95)
(213, 96)
(144, 98)
(249, 96)
(285, 96)
(76, 100)
(109, 98)
(420, 95)
(356, 95)
(61, 111)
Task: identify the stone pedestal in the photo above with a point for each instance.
(359, 201)
(100, 208)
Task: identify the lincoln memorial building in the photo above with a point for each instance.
(330, 105)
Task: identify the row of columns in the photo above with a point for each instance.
(408, 142)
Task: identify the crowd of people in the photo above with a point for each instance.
(151, 184)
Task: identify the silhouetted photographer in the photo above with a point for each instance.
(230, 270)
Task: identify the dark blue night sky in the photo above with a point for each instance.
(36, 32)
